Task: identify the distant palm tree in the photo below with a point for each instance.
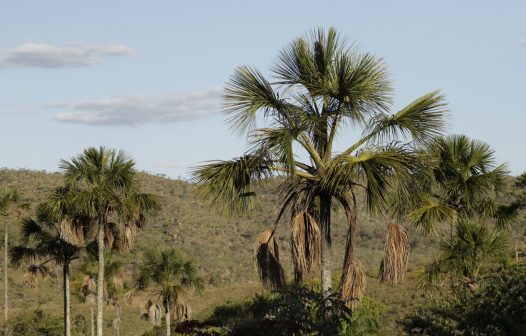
(103, 183)
(459, 186)
(462, 255)
(113, 284)
(9, 205)
(323, 87)
(166, 276)
(42, 243)
(461, 181)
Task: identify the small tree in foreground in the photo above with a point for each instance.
(166, 276)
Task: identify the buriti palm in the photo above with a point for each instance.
(322, 87)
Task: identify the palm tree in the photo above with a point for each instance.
(322, 88)
(462, 255)
(460, 185)
(9, 205)
(103, 183)
(113, 286)
(42, 243)
(461, 181)
(166, 275)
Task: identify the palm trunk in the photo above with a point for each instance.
(6, 264)
(117, 319)
(67, 323)
(168, 331)
(100, 280)
(92, 322)
(325, 230)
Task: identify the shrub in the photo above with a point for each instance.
(497, 308)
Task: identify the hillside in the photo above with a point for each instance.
(220, 245)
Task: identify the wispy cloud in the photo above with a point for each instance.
(137, 110)
(523, 42)
(40, 55)
(171, 165)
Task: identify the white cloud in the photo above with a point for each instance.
(40, 55)
(137, 110)
(523, 41)
(171, 165)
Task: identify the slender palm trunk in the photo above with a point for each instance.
(325, 228)
(6, 264)
(117, 319)
(67, 323)
(168, 331)
(100, 280)
(92, 322)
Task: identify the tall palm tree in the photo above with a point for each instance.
(166, 275)
(103, 184)
(42, 243)
(9, 205)
(322, 88)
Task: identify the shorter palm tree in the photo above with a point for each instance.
(166, 275)
(113, 285)
(464, 254)
(9, 205)
(42, 243)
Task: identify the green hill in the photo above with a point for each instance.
(220, 245)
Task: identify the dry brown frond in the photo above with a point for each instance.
(154, 312)
(88, 285)
(396, 253)
(72, 231)
(266, 253)
(353, 285)
(306, 243)
(127, 238)
(29, 279)
(181, 312)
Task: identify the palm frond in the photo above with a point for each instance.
(306, 244)
(227, 184)
(422, 121)
(266, 254)
(353, 285)
(393, 267)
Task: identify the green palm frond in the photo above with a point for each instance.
(228, 184)
(429, 213)
(423, 121)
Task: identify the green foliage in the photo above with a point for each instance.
(167, 275)
(496, 308)
(36, 323)
(463, 254)
(298, 311)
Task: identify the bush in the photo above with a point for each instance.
(496, 308)
(36, 322)
(298, 311)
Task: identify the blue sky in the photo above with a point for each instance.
(146, 76)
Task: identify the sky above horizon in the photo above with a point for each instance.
(147, 76)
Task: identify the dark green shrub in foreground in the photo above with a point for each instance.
(496, 308)
(298, 312)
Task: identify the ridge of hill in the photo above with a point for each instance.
(221, 246)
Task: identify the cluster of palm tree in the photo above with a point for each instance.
(99, 207)
(400, 161)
